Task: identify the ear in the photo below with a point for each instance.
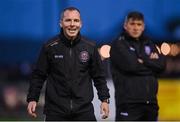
(124, 26)
(60, 23)
(143, 27)
(80, 24)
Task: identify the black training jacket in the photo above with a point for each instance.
(135, 82)
(68, 69)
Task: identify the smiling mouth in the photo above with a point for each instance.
(72, 30)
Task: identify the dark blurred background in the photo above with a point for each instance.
(26, 24)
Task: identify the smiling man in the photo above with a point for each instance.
(71, 23)
(69, 63)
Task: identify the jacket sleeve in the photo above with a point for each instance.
(38, 77)
(125, 60)
(156, 65)
(98, 75)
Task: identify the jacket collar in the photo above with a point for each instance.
(142, 38)
(67, 42)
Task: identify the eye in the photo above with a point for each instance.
(76, 20)
(139, 24)
(67, 20)
(132, 23)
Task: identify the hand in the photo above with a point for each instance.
(104, 110)
(154, 56)
(32, 108)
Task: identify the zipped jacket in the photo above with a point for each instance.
(135, 82)
(69, 67)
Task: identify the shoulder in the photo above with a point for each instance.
(148, 41)
(121, 38)
(88, 42)
(118, 41)
(53, 41)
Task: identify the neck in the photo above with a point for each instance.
(71, 38)
(136, 39)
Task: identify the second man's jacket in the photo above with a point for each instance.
(135, 82)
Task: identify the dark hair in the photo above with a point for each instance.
(69, 9)
(135, 15)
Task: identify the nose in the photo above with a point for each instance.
(136, 27)
(72, 23)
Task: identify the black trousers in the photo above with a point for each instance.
(137, 112)
(85, 116)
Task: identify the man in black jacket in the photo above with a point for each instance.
(69, 63)
(135, 64)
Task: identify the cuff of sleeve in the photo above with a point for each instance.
(31, 99)
(106, 100)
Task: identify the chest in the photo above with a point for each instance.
(72, 57)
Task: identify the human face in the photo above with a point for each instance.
(134, 27)
(71, 24)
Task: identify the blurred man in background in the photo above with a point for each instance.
(68, 63)
(135, 64)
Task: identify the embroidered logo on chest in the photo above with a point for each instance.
(84, 56)
(147, 50)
